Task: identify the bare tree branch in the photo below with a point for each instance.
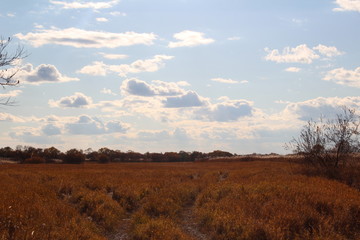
(8, 61)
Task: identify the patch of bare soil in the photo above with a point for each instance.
(189, 226)
(122, 233)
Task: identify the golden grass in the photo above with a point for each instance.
(228, 200)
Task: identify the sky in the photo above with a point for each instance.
(167, 75)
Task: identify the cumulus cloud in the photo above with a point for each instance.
(328, 51)
(107, 91)
(7, 117)
(147, 65)
(134, 86)
(78, 100)
(86, 125)
(179, 134)
(82, 5)
(10, 94)
(51, 130)
(113, 56)
(344, 77)
(80, 38)
(44, 73)
(226, 111)
(153, 135)
(32, 135)
(183, 83)
(315, 108)
(97, 68)
(293, 69)
(224, 80)
(189, 39)
(347, 5)
(299, 54)
(189, 99)
(137, 87)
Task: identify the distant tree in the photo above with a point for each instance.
(8, 61)
(171, 157)
(329, 144)
(51, 153)
(184, 156)
(103, 158)
(155, 157)
(195, 155)
(219, 153)
(74, 156)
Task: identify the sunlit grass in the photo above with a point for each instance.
(228, 200)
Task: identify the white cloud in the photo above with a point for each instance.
(82, 5)
(80, 38)
(223, 80)
(189, 39)
(134, 86)
(102, 19)
(51, 130)
(189, 99)
(116, 13)
(326, 107)
(231, 110)
(86, 125)
(10, 94)
(113, 56)
(299, 54)
(97, 68)
(44, 73)
(328, 51)
(7, 117)
(183, 84)
(107, 91)
(347, 5)
(147, 65)
(293, 69)
(78, 100)
(226, 111)
(344, 77)
(34, 136)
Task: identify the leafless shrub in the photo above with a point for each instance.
(329, 146)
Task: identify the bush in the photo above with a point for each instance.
(34, 160)
(329, 144)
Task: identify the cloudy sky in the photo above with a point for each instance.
(168, 75)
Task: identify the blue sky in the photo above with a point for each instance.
(237, 75)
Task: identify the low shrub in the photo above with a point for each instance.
(34, 160)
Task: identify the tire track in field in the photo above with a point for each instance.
(189, 225)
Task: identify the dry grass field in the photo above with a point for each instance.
(174, 201)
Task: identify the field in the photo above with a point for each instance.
(174, 201)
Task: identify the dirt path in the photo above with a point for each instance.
(189, 226)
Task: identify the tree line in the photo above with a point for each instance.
(28, 154)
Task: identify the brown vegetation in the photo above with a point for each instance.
(217, 200)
